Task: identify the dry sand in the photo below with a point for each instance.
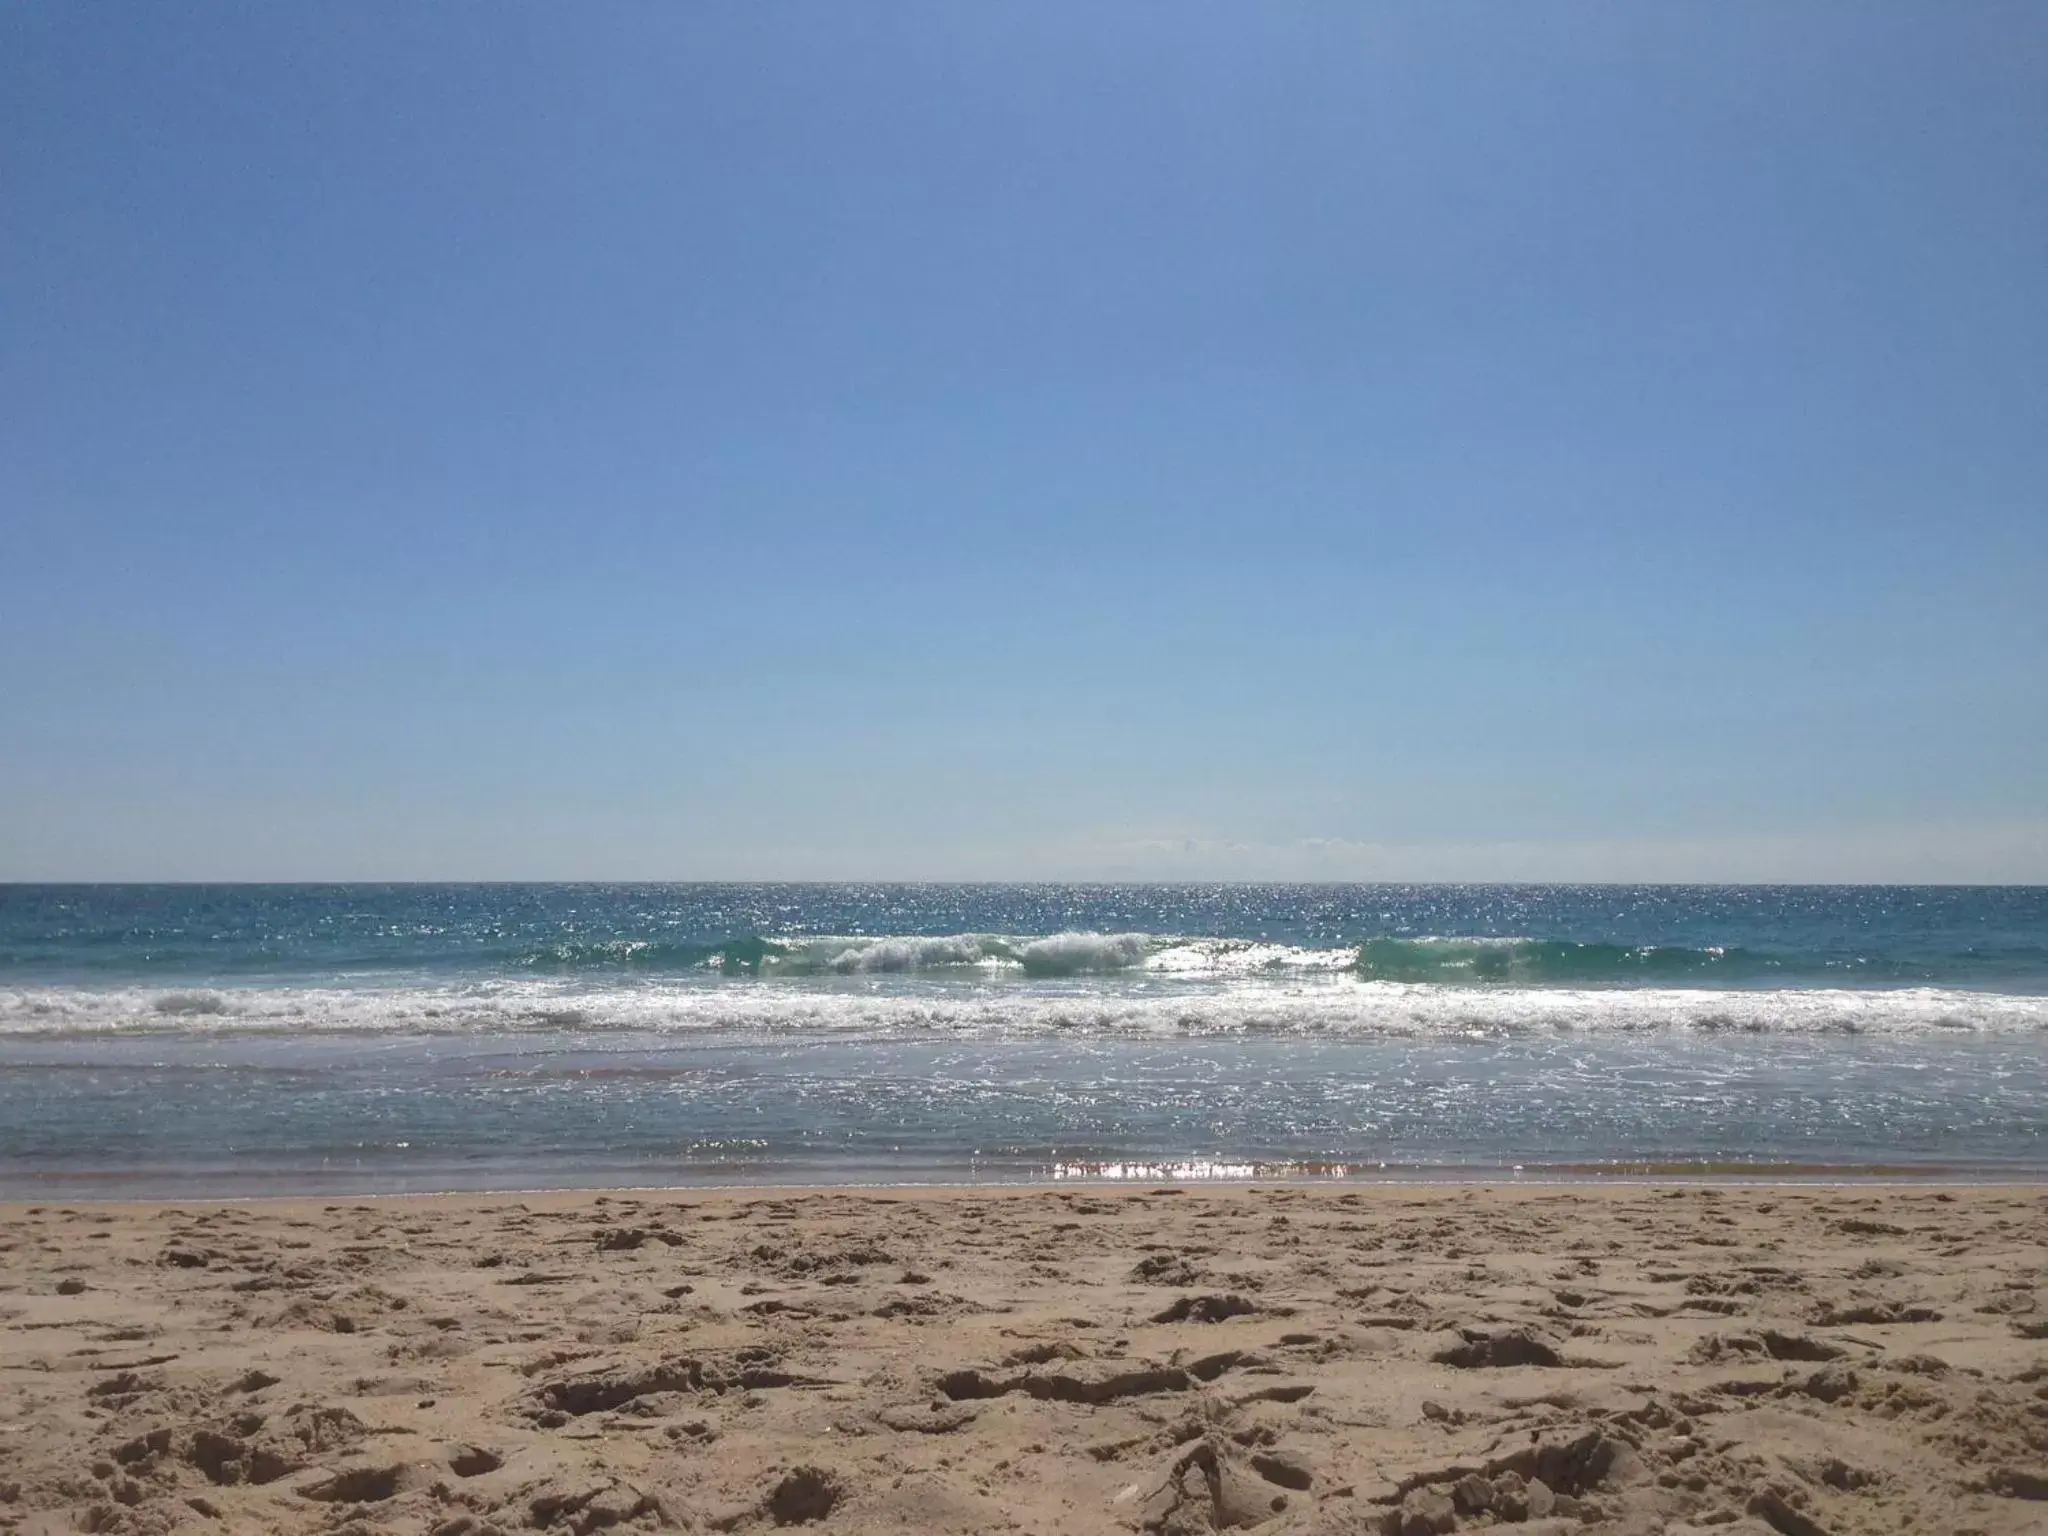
(1628, 1359)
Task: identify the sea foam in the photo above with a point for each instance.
(1138, 1004)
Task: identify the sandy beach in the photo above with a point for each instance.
(1299, 1359)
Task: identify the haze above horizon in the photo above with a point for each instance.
(1305, 441)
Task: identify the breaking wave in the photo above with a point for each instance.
(1443, 961)
(203, 1003)
(1117, 1003)
(1077, 954)
(1059, 954)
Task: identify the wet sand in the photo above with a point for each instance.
(1296, 1359)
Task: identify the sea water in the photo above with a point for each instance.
(267, 1039)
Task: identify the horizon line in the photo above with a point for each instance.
(899, 880)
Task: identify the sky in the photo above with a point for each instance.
(922, 440)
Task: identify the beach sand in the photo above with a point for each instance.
(1296, 1359)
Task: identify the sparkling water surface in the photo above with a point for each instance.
(264, 1039)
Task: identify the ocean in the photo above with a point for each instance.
(257, 1039)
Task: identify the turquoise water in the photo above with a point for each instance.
(252, 1038)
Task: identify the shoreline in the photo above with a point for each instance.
(1630, 1174)
(1346, 1191)
(1308, 1358)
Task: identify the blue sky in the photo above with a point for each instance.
(937, 440)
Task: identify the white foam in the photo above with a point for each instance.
(1244, 957)
(1060, 954)
(1178, 1171)
(887, 956)
(1135, 1004)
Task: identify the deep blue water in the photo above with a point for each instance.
(271, 1037)
(1979, 937)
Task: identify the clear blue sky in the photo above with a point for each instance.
(899, 440)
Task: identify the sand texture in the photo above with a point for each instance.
(1626, 1359)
